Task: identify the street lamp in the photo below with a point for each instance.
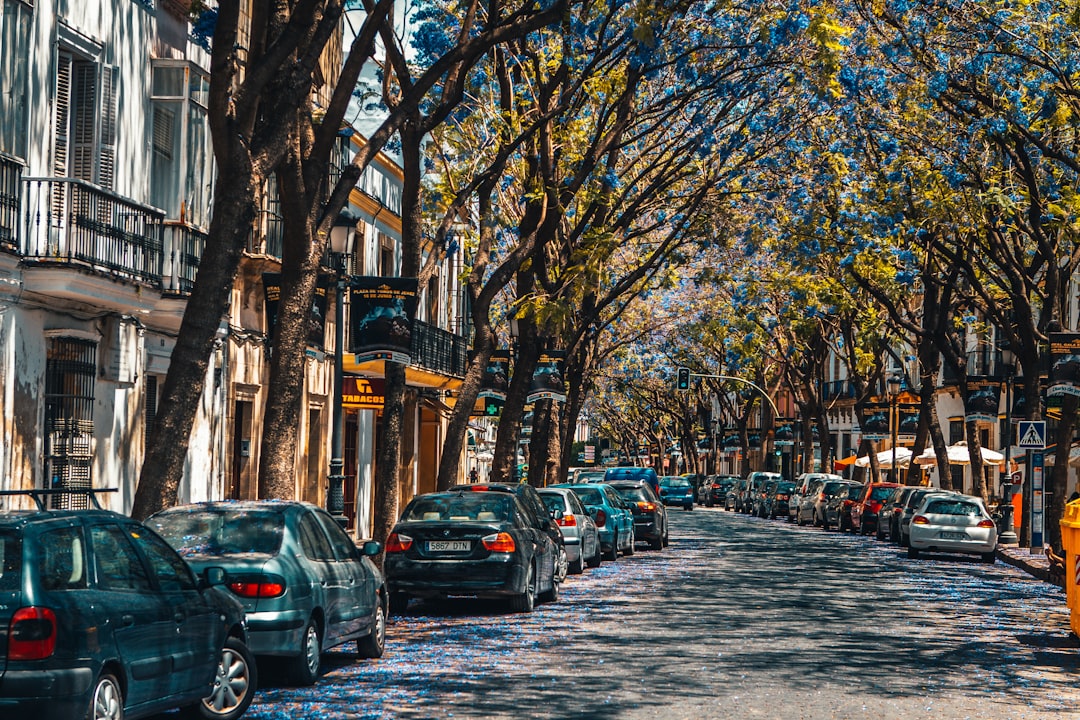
(341, 242)
(1008, 530)
(894, 421)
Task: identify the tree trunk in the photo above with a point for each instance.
(457, 428)
(506, 438)
(1054, 506)
(167, 446)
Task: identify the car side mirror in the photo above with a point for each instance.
(371, 548)
(214, 576)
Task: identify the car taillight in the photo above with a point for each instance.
(821, 497)
(920, 520)
(32, 634)
(264, 587)
(985, 524)
(873, 506)
(781, 497)
(567, 520)
(500, 543)
(601, 518)
(646, 506)
(398, 543)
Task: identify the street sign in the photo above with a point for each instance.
(1032, 434)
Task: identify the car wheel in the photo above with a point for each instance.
(798, 520)
(613, 553)
(399, 603)
(524, 602)
(551, 595)
(879, 534)
(303, 669)
(373, 644)
(989, 557)
(234, 684)
(825, 523)
(688, 507)
(912, 553)
(667, 538)
(629, 549)
(597, 558)
(656, 543)
(576, 567)
(107, 701)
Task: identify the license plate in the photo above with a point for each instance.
(449, 546)
(954, 536)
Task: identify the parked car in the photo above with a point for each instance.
(777, 496)
(953, 523)
(844, 504)
(304, 584)
(538, 513)
(911, 504)
(580, 536)
(677, 491)
(864, 513)
(96, 609)
(614, 521)
(644, 474)
(484, 543)
(807, 485)
(649, 514)
(828, 502)
(888, 525)
(714, 491)
(754, 503)
(736, 494)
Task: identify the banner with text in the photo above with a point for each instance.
(547, 378)
(383, 309)
(316, 327)
(1064, 364)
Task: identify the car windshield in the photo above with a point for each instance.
(482, 507)
(953, 507)
(219, 532)
(674, 482)
(589, 495)
(10, 561)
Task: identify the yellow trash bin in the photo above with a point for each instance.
(1070, 542)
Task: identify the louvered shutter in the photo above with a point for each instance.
(84, 109)
(63, 107)
(107, 148)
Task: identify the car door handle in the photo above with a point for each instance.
(127, 620)
(179, 617)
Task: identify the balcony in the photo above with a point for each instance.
(438, 350)
(837, 389)
(10, 182)
(72, 222)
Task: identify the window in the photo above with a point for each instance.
(70, 366)
(181, 167)
(386, 256)
(116, 563)
(15, 36)
(173, 575)
(62, 560)
(312, 539)
(84, 141)
(344, 548)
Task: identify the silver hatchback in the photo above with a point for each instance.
(580, 535)
(952, 523)
(305, 586)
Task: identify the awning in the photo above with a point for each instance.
(885, 458)
(844, 462)
(959, 454)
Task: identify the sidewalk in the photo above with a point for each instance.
(1035, 564)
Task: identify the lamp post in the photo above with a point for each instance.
(894, 421)
(1008, 534)
(341, 236)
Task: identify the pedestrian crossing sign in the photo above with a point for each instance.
(1032, 434)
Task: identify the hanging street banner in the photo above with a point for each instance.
(908, 418)
(316, 330)
(363, 393)
(547, 378)
(876, 425)
(383, 309)
(983, 400)
(1064, 364)
(496, 378)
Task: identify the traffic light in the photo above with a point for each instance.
(683, 381)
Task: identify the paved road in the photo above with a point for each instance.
(739, 617)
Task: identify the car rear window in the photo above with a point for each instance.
(10, 561)
(785, 487)
(219, 532)
(675, 482)
(834, 488)
(953, 507)
(589, 495)
(854, 492)
(880, 493)
(481, 507)
(633, 494)
(553, 501)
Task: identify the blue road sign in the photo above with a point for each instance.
(1032, 434)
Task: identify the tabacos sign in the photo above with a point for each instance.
(363, 393)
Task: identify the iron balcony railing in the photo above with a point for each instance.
(837, 389)
(439, 350)
(10, 196)
(72, 221)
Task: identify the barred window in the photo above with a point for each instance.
(69, 416)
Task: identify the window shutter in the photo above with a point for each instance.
(107, 140)
(83, 127)
(163, 131)
(63, 107)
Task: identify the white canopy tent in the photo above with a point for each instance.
(960, 455)
(885, 459)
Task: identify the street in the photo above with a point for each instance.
(739, 617)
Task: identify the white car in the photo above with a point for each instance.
(952, 523)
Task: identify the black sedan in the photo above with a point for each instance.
(469, 543)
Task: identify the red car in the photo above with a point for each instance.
(864, 513)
